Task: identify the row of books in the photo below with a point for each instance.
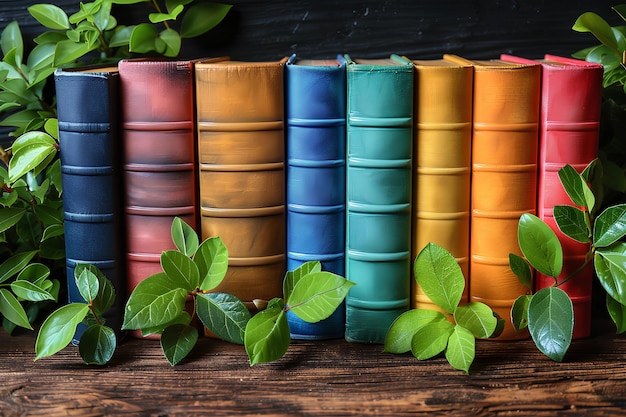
(357, 163)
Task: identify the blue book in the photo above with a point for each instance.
(316, 158)
(378, 182)
(87, 106)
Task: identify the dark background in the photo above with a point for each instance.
(421, 29)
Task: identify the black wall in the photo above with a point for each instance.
(420, 29)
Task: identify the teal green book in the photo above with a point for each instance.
(378, 194)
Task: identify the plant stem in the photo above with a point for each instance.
(158, 9)
(588, 259)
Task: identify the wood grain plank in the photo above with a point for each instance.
(332, 378)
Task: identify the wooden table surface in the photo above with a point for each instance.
(329, 378)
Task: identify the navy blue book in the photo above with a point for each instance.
(87, 103)
(316, 158)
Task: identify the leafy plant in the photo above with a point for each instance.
(97, 341)
(31, 209)
(31, 225)
(310, 293)
(428, 333)
(611, 53)
(548, 313)
(157, 304)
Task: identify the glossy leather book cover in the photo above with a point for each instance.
(378, 194)
(316, 161)
(241, 154)
(442, 164)
(504, 177)
(89, 138)
(159, 154)
(571, 97)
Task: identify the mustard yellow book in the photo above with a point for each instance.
(241, 156)
(442, 162)
(505, 135)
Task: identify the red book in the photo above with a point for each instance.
(159, 154)
(571, 95)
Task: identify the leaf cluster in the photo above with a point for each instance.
(97, 341)
(548, 314)
(428, 333)
(611, 53)
(31, 226)
(310, 293)
(158, 304)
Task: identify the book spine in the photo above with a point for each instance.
(88, 138)
(504, 181)
(442, 163)
(159, 143)
(242, 174)
(316, 159)
(569, 135)
(378, 183)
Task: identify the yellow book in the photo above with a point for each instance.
(504, 177)
(442, 159)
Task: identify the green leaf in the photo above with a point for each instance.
(66, 52)
(183, 318)
(105, 296)
(611, 271)
(223, 314)
(317, 295)
(172, 4)
(551, 322)
(521, 269)
(58, 329)
(431, 339)
(540, 245)
(202, 17)
(29, 291)
(129, 1)
(154, 302)
(49, 15)
(29, 150)
(12, 310)
(121, 36)
(573, 185)
(519, 312)
(184, 237)
(97, 344)
(476, 317)
(177, 341)
(162, 17)
(180, 269)
(172, 41)
(11, 39)
(591, 22)
(573, 222)
(35, 273)
(142, 38)
(211, 258)
(9, 216)
(15, 264)
(617, 311)
(292, 277)
(440, 276)
(53, 231)
(267, 336)
(609, 226)
(403, 328)
(461, 349)
(87, 283)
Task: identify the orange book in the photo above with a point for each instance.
(505, 136)
(442, 162)
(569, 134)
(241, 155)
